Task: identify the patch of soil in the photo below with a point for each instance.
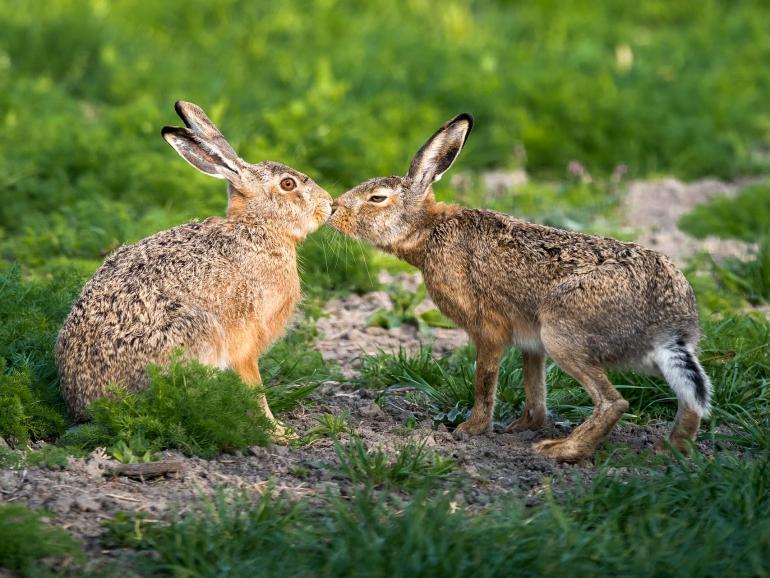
(653, 208)
(345, 335)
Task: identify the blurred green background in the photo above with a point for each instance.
(347, 90)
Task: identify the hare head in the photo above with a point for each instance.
(386, 211)
(267, 191)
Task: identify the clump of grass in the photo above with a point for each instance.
(444, 384)
(330, 426)
(10, 458)
(744, 216)
(748, 278)
(50, 456)
(187, 406)
(227, 536)
(414, 465)
(28, 545)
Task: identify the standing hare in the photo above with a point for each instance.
(222, 289)
(588, 302)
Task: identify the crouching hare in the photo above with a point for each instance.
(588, 302)
(222, 289)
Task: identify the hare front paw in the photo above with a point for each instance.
(473, 427)
(283, 435)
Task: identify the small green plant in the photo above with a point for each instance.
(10, 458)
(407, 428)
(414, 465)
(135, 451)
(125, 530)
(404, 310)
(51, 456)
(28, 544)
(188, 406)
(330, 426)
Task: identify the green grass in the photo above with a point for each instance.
(693, 518)
(31, 547)
(330, 426)
(31, 312)
(745, 217)
(732, 282)
(414, 466)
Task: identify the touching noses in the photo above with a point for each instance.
(334, 206)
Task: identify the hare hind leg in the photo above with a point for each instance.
(609, 406)
(684, 373)
(534, 415)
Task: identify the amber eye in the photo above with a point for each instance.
(377, 198)
(288, 184)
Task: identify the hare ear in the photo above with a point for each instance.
(203, 154)
(194, 118)
(437, 155)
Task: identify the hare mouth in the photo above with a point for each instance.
(322, 213)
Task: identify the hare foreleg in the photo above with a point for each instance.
(248, 369)
(488, 358)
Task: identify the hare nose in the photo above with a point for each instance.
(334, 206)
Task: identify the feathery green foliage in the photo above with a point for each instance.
(187, 406)
(27, 543)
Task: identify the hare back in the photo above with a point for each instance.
(221, 291)
(502, 278)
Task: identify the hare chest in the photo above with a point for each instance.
(259, 317)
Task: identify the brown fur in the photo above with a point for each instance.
(588, 302)
(222, 289)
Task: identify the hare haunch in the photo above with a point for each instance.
(588, 302)
(221, 289)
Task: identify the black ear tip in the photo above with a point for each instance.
(179, 107)
(167, 131)
(465, 117)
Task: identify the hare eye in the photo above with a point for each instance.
(288, 184)
(377, 198)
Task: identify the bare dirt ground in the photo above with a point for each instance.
(81, 496)
(652, 209)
